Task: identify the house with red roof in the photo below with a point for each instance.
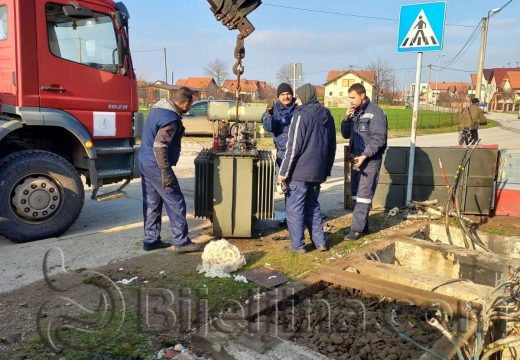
(203, 87)
(488, 88)
(151, 92)
(249, 89)
(338, 82)
(457, 90)
(507, 93)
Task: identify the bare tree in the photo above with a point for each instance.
(284, 74)
(142, 75)
(218, 70)
(385, 77)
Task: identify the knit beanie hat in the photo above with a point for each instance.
(284, 87)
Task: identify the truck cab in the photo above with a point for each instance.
(68, 108)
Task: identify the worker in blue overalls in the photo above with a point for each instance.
(160, 150)
(366, 126)
(277, 120)
(307, 163)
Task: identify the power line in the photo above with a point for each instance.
(347, 14)
(466, 45)
(329, 12)
(147, 51)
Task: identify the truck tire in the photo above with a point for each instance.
(41, 195)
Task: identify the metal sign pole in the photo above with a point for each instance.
(411, 160)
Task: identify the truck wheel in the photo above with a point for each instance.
(41, 195)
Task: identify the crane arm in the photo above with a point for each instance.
(232, 14)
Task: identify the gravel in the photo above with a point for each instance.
(349, 337)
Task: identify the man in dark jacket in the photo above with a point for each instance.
(307, 163)
(160, 150)
(278, 119)
(366, 126)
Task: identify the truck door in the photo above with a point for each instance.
(7, 53)
(80, 68)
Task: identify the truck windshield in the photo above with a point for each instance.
(91, 42)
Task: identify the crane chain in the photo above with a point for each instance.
(238, 70)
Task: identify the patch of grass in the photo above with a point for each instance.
(110, 342)
(495, 230)
(296, 266)
(217, 290)
(400, 121)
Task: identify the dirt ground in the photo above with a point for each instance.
(30, 317)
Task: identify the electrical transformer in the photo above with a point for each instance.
(234, 181)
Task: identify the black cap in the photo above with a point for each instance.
(284, 87)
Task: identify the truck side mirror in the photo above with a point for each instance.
(122, 14)
(77, 13)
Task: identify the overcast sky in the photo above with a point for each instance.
(319, 41)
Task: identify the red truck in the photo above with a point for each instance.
(68, 108)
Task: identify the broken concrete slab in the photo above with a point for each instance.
(504, 245)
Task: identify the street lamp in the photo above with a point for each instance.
(483, 41)
(437, 81)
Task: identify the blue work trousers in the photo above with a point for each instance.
(363, 188)
(303, 211)
(154, 197)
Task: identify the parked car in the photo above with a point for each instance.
(196, 120)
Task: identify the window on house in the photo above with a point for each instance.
(335, 82)
(341, 93)
(330, 93)
(3, 22)
(91, 41)
(362, 82)
(156, 93)
(348, 82)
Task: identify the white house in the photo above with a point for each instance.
(338, 82)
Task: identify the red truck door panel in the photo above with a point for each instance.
(7, 53)
(78, 66)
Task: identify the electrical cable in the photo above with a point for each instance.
(346, 14)
(468, 43)
(407, 338)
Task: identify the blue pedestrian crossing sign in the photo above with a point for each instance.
(421, 27)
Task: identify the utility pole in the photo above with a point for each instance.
(429, 80)
(480, 72)
(294, 77)
(483, 42)
(404, 88)
(165, 67)
(172, 78)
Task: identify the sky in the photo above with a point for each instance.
(320, 41)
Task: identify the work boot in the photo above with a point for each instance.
(283, 223)
(156, 245)
(190, 248)
(322, 248)
(296, 251)
(353, 235)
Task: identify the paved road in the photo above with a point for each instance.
(111, 231)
